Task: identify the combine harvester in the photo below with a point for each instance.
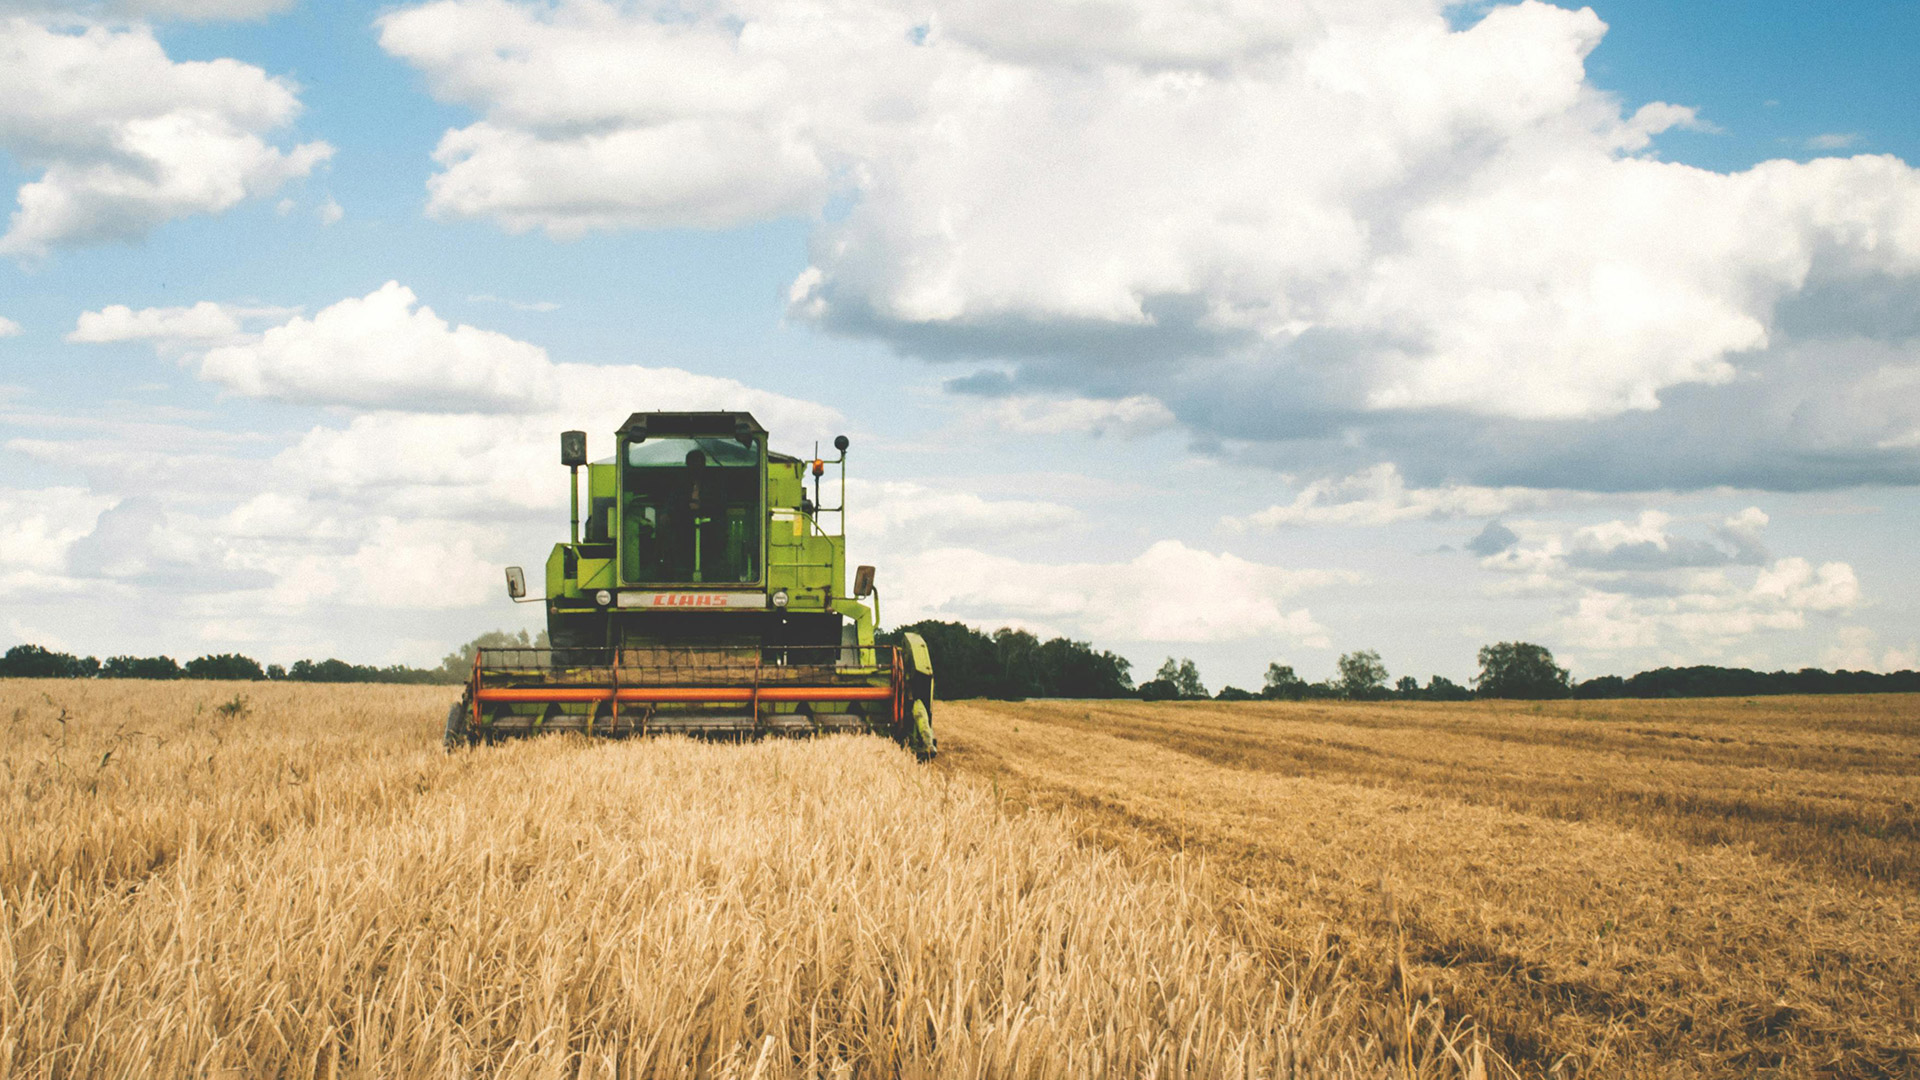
(703, 599)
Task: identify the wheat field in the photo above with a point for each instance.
(1716, 888)
(274, 880)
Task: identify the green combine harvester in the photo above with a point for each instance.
(704, 598)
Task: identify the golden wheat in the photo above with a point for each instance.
(274, 880)
(1720, 888)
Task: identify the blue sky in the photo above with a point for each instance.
(1245, 333)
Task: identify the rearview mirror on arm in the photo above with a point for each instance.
(516, 582)
(862, 581)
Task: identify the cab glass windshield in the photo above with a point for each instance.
(692, 513)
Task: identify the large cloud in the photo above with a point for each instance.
(1355, 228)
(388, 353)
(124, 138)
(382, 350)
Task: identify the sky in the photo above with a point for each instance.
(1249, 332)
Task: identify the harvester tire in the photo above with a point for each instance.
(920, 736)
(459, 733)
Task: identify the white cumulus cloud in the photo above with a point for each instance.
(1256, 217)
(8, 328)
(388, 353)
(124, 138)
(202, 325)
(386, 349)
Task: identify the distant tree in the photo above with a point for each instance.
(1074, 669)
(1519, 669)
(35, 662)
(1159, 690)
(1015, 664)
(1184, 674)
(1283, 683)
(1017, 656)
(1177, 680)
(1441, 688)
(324, 671)
(224, 666)
(140, 667)
(1189, 682)
(1234, 693)
(1407, 687)
(275, 671)
(339, 671)
(1362, 675)
(1606, 686)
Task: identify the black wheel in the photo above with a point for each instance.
(459, 726)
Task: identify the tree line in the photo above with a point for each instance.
(1011, 664)
(36, 662)
(1015, 664)
(1707, 681)
(1525, 671)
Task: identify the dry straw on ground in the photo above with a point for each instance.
(294, 881)
(1621, 889)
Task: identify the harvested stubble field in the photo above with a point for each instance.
(1722, 887)
(294, 881)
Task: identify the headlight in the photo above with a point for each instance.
(603, 598)
(780, 598)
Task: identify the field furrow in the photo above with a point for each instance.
(1534, 891)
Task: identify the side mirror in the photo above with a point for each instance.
(516, 582)
(573, 448)
(863, 581)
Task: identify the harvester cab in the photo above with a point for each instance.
(704, 595)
